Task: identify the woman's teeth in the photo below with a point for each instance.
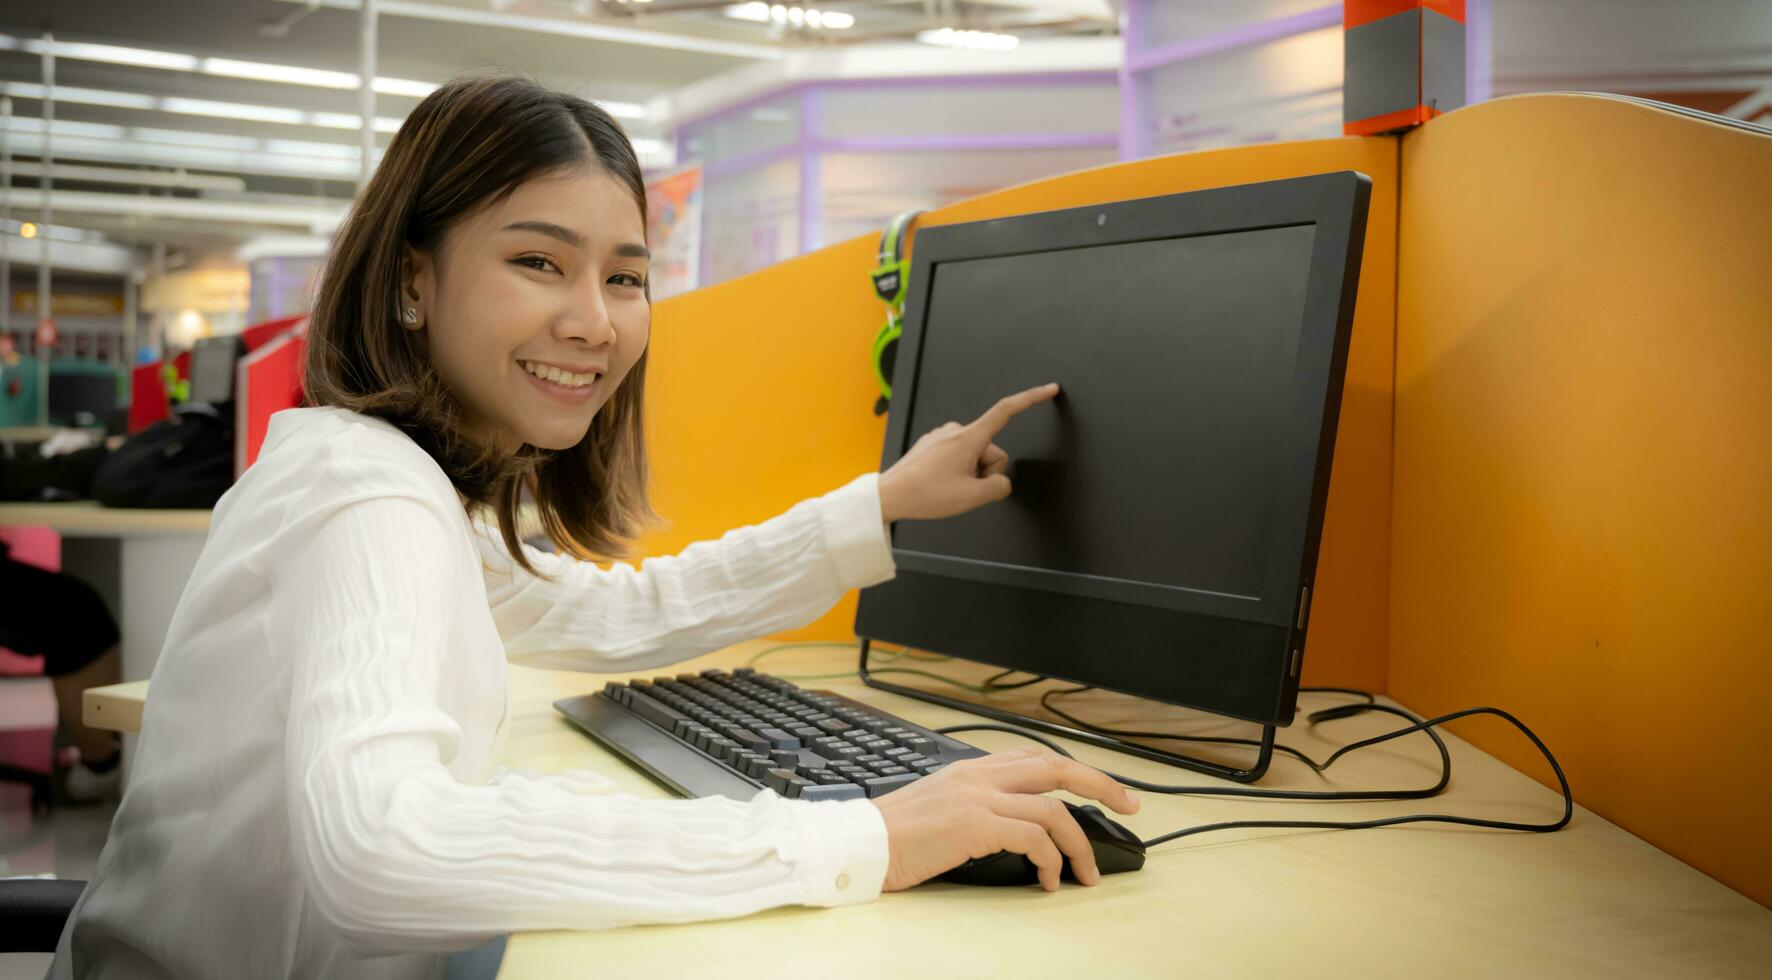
(549, 373)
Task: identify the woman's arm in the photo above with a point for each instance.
(399, 855)
(752, 581)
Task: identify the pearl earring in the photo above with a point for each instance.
(410, 315)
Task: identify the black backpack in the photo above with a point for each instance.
(186, 461)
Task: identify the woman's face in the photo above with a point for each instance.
(533, 308)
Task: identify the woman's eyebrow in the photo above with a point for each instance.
(632, 250)
(551, 230)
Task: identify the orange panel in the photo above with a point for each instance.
(1357, 12)
(761, 391)
(1582, 523)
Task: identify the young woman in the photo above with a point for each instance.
(315, 793)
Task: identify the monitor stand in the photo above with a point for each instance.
(1210, 768)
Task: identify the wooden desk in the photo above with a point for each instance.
(84, 518)
(1591, 900)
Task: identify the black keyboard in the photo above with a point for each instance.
(730, 734)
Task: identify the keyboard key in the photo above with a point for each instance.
(778, 779)
(833, 791)
(779, 739)
(747, 738)
(891, 770)
(652, 710)
(757, 765)
(785, 757)
(881, 785)
(922, 743)
(898, 752)
(834, 725)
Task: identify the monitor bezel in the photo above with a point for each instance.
(1274, 622)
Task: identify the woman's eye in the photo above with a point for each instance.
(631, 279)
(537, 263)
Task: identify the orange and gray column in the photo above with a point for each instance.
(1403, 64)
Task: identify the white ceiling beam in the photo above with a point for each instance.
(295, 215)
(557, 26)
(132, 178)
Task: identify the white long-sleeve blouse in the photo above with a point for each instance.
(314, 793)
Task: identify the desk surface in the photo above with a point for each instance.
(85, 518)
(1591, 900)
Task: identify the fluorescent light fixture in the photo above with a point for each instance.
(234, 110)
(351, 121)
(286, 74)
(623, 110)
(308, 148)
(81, 96)
(947, 37)
(177, 137)
(67, 127)
(556, 26)
(224, 67)
(401, 86)
(282, 246)
(780, 13)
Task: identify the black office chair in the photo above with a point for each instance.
(33, 911)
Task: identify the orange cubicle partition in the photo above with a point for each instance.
(1565, 304)
(760, 391)
(1582, 514)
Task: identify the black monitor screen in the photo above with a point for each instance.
(1158, 462)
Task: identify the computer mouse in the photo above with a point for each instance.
(1116, 849)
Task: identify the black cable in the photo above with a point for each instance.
(994, 682)
(1325, 714)
(1341, 711)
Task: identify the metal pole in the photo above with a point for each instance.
(48, 223)
(5, 213)
(127, 355)
(366, 91)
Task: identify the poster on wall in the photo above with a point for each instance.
(673, 228)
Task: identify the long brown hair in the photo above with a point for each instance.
(466, 146)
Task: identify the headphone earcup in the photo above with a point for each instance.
(885, 356)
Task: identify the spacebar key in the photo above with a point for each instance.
(655, 711)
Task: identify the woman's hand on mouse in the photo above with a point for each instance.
(955, 468)
(977, 807)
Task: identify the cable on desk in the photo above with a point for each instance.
(1326, 714)
(1330, 714)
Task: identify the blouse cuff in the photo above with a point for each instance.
(842, 852)
(855, 532)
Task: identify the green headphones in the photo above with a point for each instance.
(890, 277)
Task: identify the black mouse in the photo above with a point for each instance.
(1116, 849)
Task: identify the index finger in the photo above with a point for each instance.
(1007, 407)
(1043, 772)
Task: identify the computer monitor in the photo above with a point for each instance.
(1161, 537)
(212, 369)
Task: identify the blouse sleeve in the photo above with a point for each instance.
(399, 855)
(752, 581)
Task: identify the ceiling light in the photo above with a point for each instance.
(947, 37)
(83, 96)
(225, 67)
(234, 110)
(177, 137)
(27, 230)
(623, 110)
(786, 16)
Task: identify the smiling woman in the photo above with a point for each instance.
(488, 295)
